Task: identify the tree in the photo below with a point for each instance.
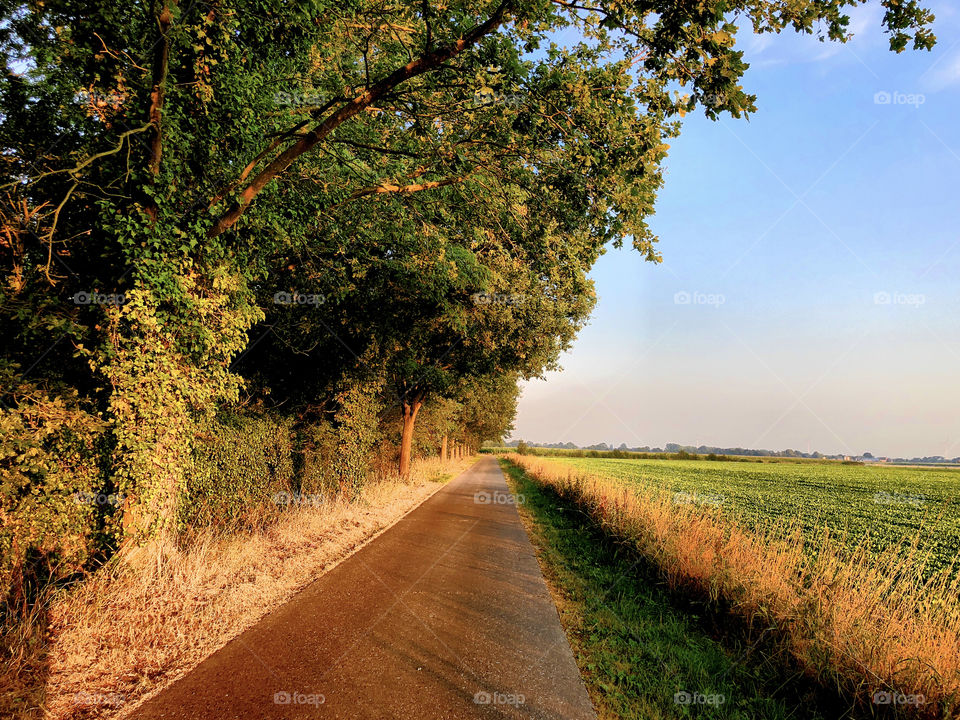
(487, 409)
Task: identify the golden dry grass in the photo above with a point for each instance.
(131, 628)
(862, 622)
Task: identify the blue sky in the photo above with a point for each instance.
(809, 293)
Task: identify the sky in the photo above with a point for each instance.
(809, 293)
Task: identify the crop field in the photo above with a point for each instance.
(877, 505)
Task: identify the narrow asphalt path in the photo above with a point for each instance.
(445, 615)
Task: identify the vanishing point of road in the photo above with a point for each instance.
(444, 615)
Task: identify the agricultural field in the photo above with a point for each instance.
(860, 503)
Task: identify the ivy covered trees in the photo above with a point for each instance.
(349, 214)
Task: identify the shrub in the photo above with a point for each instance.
(318, 446)
(240, 465)
(356, 432)
(52, 459)
(56, 520)
(167, 361)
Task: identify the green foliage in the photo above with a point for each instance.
(246, 468)
(487, 408)
(165, 378)
(438, 418)
(242, 473)
(337, 453)
(356, 431)
(55, 507)
(318, 448)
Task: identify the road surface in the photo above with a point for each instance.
(445, 615)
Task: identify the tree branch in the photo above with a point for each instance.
(411, 188)
(423, 64)
(252, 164)
(161, 59)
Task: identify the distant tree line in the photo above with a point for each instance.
(709, 452)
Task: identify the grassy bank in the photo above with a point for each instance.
(862, 623)
(128, 630)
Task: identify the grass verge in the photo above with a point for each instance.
(647, 587)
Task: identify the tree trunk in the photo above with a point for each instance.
(161, 58)
(443, 449)
(410, 410)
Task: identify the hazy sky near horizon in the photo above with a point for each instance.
(809, 294)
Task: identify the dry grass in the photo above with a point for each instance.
(131, 628)
(862, 622)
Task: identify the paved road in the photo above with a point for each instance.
(445, 615)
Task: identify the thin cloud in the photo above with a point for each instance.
(945, 73)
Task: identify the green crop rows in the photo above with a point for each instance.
(879, 505)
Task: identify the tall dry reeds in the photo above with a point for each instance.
(866, 623)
